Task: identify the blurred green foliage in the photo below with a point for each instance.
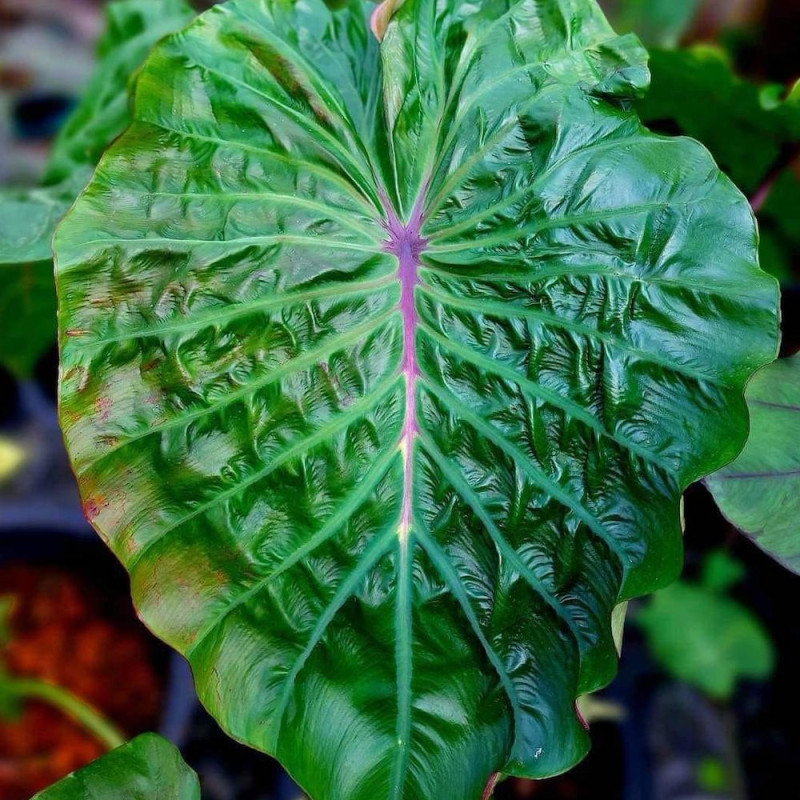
(9, 700)
(700, 635)
(659, 23)
(712, 776)
(28, 217)
(751, 128)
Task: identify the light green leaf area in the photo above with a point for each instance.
(760, 491)
(27, 221)
(28, 217)
(706, 639)
(146, 768)
(384, 366)
(659, 23)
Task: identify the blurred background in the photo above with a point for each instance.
(710, 721)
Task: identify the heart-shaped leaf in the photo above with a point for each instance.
(760, 491)
(385, 365)
(147, 768)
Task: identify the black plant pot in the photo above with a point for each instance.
(39, 536)
(41, 523)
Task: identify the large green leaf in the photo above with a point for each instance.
(147, 768)
(28, 217)
(384, 367)
(760, 491)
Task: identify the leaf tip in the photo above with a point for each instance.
(381, 17)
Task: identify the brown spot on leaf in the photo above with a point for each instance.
(102, 407)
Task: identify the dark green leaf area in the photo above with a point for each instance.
(779, 227)
(385, 365)
(745, 126)
(147, 768)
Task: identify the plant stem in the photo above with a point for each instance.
(786, 157)
(79, 710)
(490, 786)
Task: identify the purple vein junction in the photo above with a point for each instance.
(406, 242)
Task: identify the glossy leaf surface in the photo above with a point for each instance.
(384, 366)
(28, 217)
(147, 768)
(760, 491)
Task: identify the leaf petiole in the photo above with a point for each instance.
(74, 707)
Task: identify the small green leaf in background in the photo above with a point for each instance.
(701, 636)
(132, 28)
(721, 572)
(28, 217)
(659, 23)
(760, 491)
(147, 768)
(27, 291)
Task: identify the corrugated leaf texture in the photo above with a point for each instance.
(385, 365)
